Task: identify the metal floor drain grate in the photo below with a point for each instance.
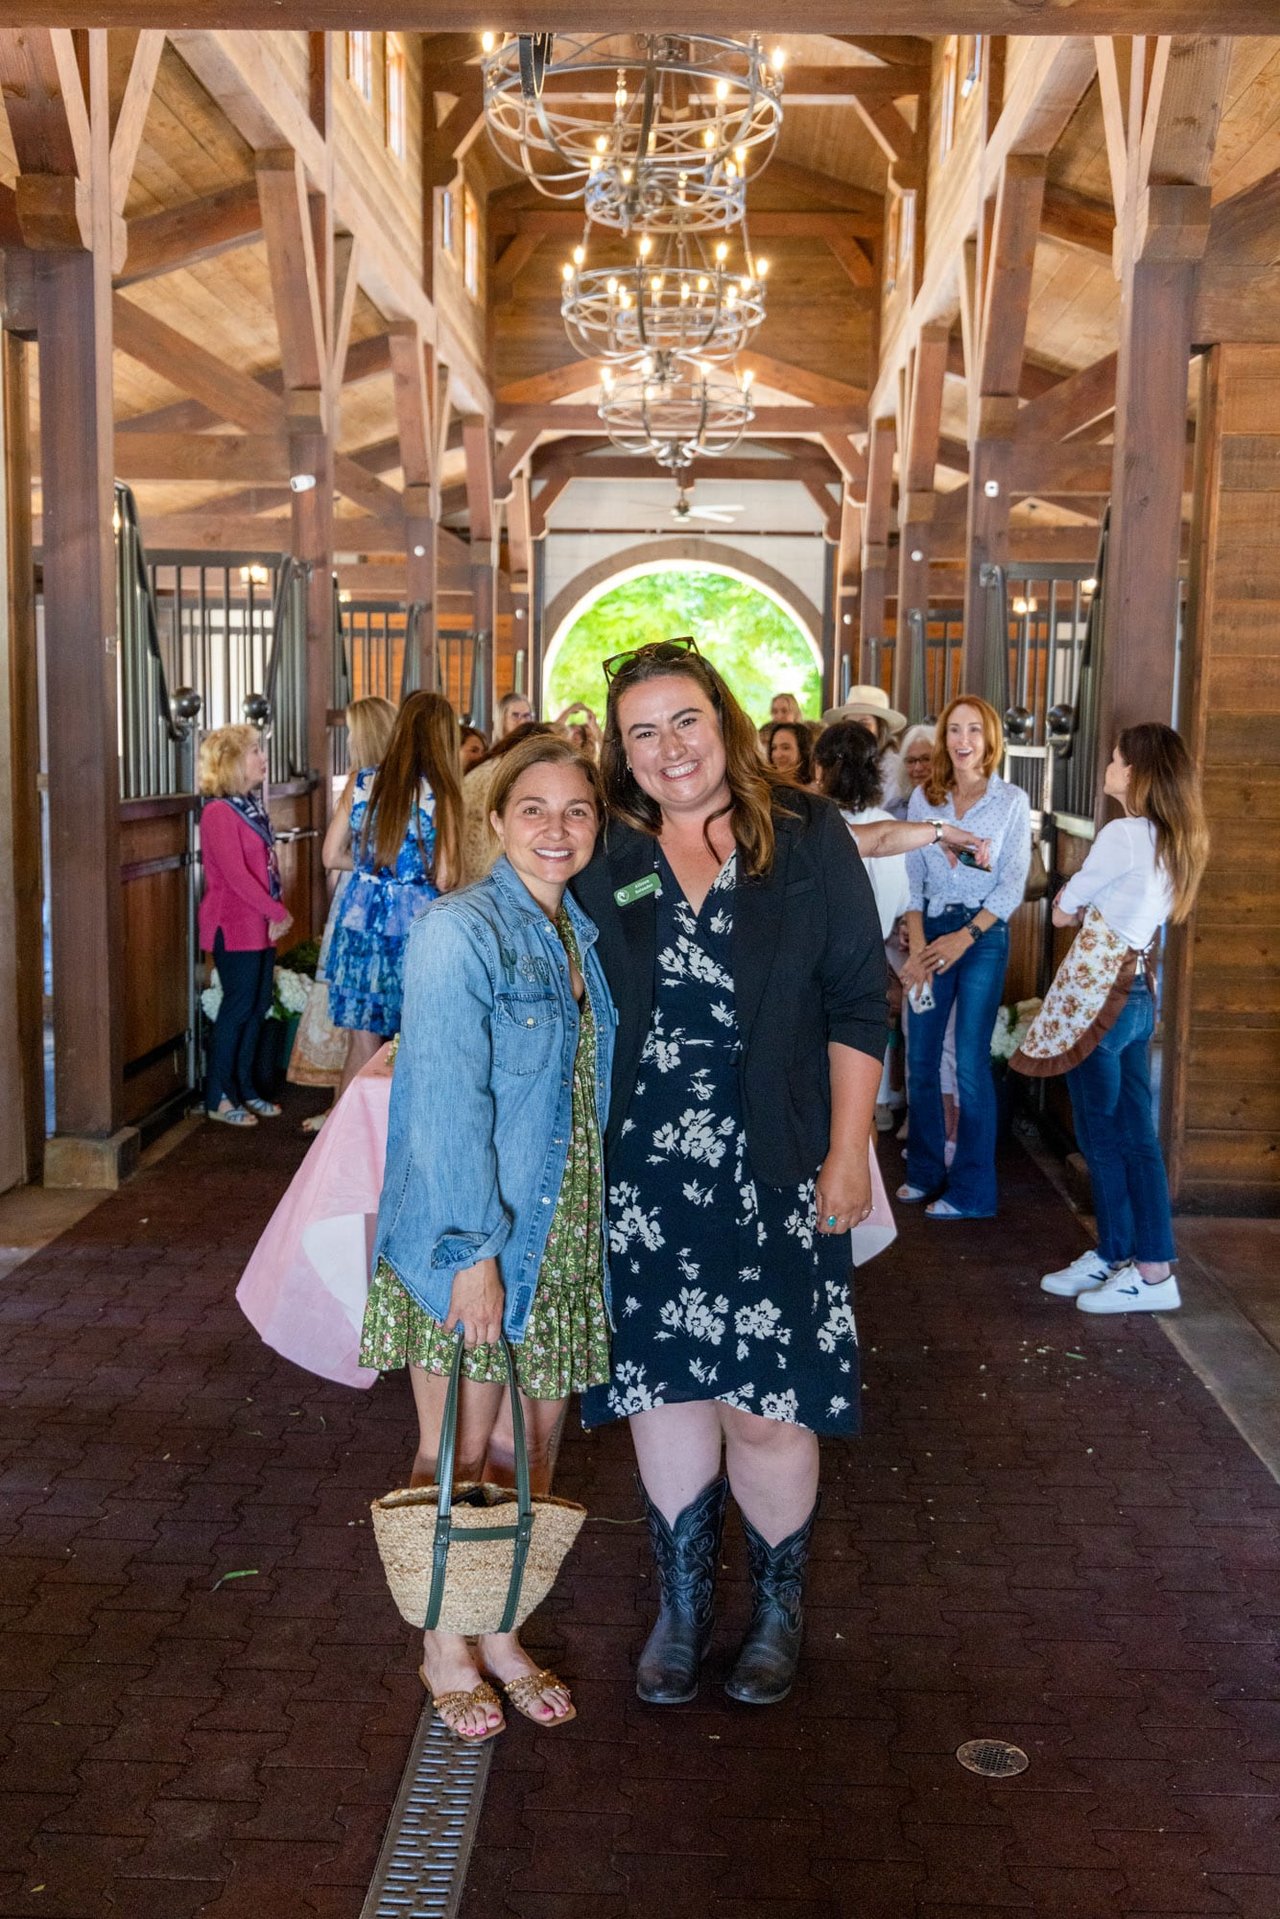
(422, 1866)
(993, 1758)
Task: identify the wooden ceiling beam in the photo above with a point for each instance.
(638, 466)
(1007, 297)
(513, 458)
(224, 390)
(45, 101)
(449, 133)
(854, 259)
(415, 438)
(512, 261)
(542, 502)
(783, 376)
(833, 193)
(1246, 228)
(295, 276)
(766, 223)
(1074, 404)
(828, 506)
(891, 18)
(364, 359)
(780, 421)
(557, 383)
(224, 457)
(919, 457)
(892, 50)
(1078, 221)
(183, 236)
(477, 444)
(1047, 87)
(126, 134)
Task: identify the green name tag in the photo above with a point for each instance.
(628, 895)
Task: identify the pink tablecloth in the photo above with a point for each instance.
(304, 1289)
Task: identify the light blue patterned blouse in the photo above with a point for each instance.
(1003, 816)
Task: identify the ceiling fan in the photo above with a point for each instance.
(684, 510)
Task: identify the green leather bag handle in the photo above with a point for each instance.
(446, 1530)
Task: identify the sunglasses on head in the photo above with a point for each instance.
(662, 652)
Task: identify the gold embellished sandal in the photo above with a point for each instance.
(458, 1703)
(525, 1691)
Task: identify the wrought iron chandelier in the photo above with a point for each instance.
(674, 410)
(677, 294)
(653, 130)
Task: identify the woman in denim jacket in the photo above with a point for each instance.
(493, 1201)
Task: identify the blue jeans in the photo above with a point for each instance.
(973, 985)
(246, 980)
(1111, 1101)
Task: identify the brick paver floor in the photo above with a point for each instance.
(1049, 1534)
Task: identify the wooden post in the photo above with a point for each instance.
(1000, 345)
(1160, 144)
(421, 575)
(1140, 604)
(22, 957)
(917, 499)
(73, 318)
(875, 535)
(1220, 1095)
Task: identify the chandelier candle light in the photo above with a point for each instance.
(654, 130)
(674, 410)
(678, 295)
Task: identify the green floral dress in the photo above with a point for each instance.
(566, 1342)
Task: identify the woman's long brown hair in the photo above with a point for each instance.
(753, 786)
(1165, 789)
(424, 746)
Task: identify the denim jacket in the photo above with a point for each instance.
(480, 1101)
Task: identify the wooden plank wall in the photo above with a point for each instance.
(155, 885)
(1222, 1057)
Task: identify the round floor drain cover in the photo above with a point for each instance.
(993, 1758)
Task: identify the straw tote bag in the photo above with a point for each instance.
(489, 1572)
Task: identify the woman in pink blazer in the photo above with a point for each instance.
(241, 917)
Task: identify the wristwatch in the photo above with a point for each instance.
(939, 827)
(975, 931)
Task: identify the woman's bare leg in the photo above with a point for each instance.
(773, 1471)
(678, 1452)
(361, 1050)
(447, 1660)
(501, 1653)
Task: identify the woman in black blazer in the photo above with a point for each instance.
(742, 946)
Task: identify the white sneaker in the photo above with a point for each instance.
(1128, 1292)
(1079, 1277)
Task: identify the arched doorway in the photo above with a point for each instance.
(751, 623)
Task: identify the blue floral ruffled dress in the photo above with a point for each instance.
(365, 962)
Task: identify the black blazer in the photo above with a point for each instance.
(808, 967)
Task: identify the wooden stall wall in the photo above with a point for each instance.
(155, 915)
(1222, 1058)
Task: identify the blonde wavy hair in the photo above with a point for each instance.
(370, 724)
(220, 767)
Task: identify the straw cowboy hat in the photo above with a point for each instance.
(868, 702)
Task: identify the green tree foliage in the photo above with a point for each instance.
(746, 635)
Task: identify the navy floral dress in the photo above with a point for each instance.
(722, 1288)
